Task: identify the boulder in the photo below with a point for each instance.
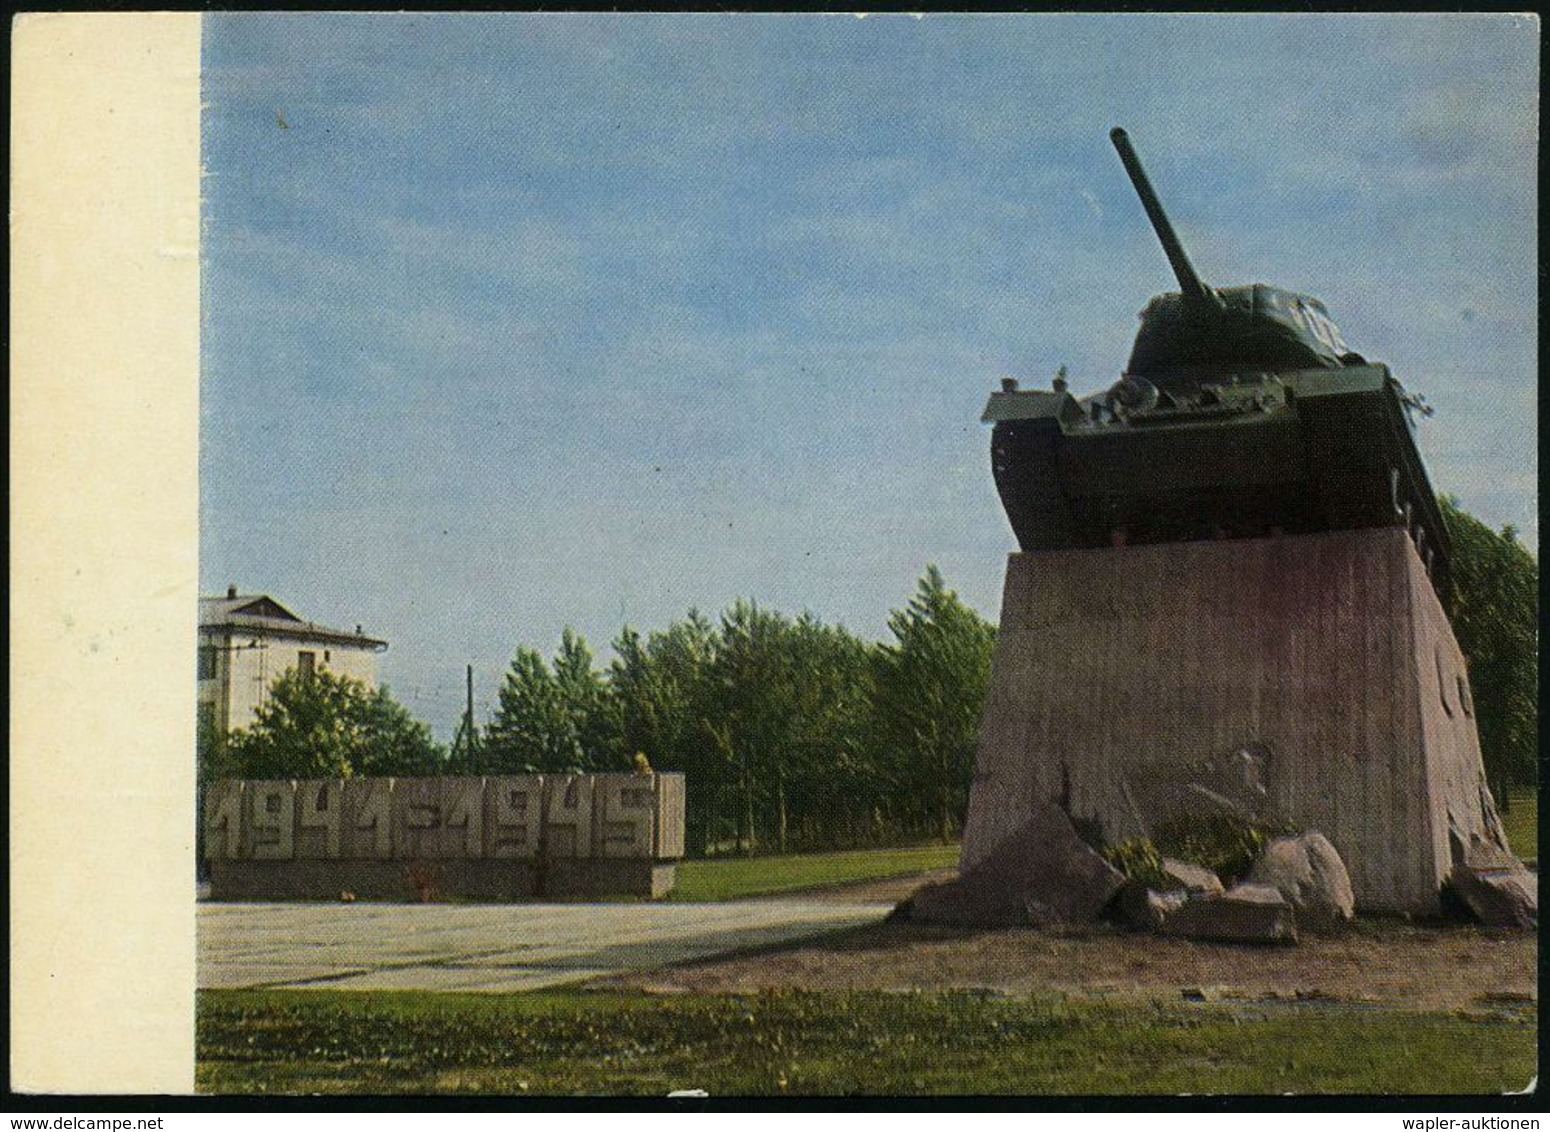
(1145, 908)
(1042, 874)
(1191, 878)
(1309, 873)
(1245, 913)
(962, 904)
(1497, 887)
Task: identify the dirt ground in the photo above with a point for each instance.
(1381, 961)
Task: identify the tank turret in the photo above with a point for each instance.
(1191, 335)
(1241, 413)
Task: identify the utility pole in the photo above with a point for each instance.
(468, 716)
(465, 744)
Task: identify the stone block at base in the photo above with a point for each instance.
(500, 880)
(1041, 875)
(1497, 887)
(602, 877)
(1311, 877)
(1246, 913)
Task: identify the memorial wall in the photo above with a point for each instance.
(482, 838)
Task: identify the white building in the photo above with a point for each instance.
(248, 641)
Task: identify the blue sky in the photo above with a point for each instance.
(525, 321)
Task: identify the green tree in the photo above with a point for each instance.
(1495, 612)
(750, 700)
(659, 695)
(931, 683)
(824, 789)
(394, 742)
(323, 725)
(533, 729)
(770, 719)
(788, 698)
(584, 694)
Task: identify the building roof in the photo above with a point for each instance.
(260, 613)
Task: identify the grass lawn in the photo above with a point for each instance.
(790, 1042)
(733, 877)
(1522, 822)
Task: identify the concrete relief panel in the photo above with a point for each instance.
(503, 837)
(462, 810)
(627, 810)
(1235, 783)
(568, 815)
(271, 820)
(1442, 680)
(438, 818)
(417, 818)
(223, 820)
(513, 814)
(508, 817)
(319, 818)
(367, 825)
(671, 809)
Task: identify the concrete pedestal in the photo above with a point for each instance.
(1310, 679)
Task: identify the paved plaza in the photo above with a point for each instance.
(489, 948)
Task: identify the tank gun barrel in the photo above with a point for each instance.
(1189, 282)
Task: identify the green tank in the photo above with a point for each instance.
(1241, 414)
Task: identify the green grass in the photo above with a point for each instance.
(734, 877)
(1522, 823)
(789, 1042)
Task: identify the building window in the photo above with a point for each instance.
(207, 662)
(306, 662)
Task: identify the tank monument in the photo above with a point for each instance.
(1230, 602)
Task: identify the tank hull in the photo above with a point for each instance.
(1295, 453)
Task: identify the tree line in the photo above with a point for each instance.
(791, 733)
(1495, 615)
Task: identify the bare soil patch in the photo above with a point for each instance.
(1386, 962)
